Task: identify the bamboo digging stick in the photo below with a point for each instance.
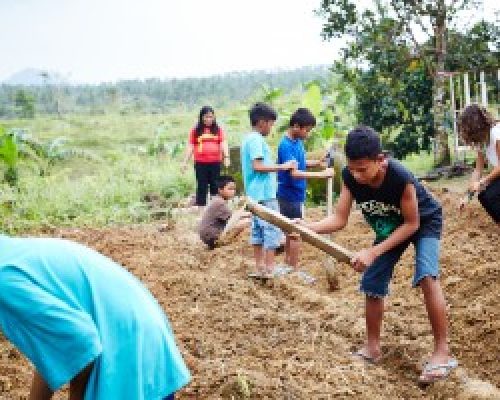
(288, 226)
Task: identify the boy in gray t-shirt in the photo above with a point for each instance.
(217, 214)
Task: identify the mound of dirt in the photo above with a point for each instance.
(289, 340)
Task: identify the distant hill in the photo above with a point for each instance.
(35, 77)
(149, 95)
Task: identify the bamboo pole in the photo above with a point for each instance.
(275, 218)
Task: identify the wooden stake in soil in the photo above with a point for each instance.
(335, 250)
(329, 264)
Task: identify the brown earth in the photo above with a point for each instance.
(288, 340)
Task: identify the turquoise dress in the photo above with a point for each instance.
(64, 305)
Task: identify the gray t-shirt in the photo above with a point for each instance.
(214, 219)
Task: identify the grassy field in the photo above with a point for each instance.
(128, 157)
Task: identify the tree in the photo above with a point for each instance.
(386, 37)
(25, 102)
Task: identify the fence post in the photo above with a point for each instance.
(466, 89)
(454, 115)
(484, 90)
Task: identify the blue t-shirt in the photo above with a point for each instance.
(259, 186)
(64, 305)
(290, 188)
(381, 206)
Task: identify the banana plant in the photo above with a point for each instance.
(9, 154)
(270, 94)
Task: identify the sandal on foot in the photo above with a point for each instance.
(260, 275)
(363, 357)
(433, 373)
(282, 270)
(306, 278)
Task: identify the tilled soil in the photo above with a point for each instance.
(289, 340)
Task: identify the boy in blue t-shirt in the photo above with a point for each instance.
(400, 211)
(259, 179)
(292, 184)
(82, 319)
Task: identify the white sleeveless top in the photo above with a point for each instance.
(491, 150)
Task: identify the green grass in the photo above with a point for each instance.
(419, 164)
(93, 196)
(109, 190)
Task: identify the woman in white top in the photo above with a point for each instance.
(479, 129)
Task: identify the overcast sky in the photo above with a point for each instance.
(107, 40)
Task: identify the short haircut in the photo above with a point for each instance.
(362, 142)
(302, 117)
(223, 180)
(474, 125)
(261, 112)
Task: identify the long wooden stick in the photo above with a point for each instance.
(275, 218)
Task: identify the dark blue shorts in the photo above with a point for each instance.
(290, 209)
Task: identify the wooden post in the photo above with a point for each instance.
(329, 264)
(454, 116)
(484, 90)
(466, 89)
(275, 218)
(498, 92)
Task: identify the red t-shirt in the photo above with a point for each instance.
(207, 148)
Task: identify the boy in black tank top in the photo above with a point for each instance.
(400, 211)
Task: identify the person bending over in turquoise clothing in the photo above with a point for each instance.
(82, 319)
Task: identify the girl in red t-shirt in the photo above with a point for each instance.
(208, 147)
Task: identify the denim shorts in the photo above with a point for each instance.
(376, 278)
(290, 209)
(263, 233)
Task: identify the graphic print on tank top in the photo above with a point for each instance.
(383, 218)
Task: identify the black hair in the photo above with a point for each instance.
(223, 180)
(200, 127)
(302, 117)
(261, 111)
(362, 142)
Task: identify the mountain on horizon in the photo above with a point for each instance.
(35, 77)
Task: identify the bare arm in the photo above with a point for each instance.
(411, 223)
(495, 173)
(338, 220)
(474, 184)
(476, 174)
(39, 388)
(326, 173)
(313, 163)
(189, 152)
(259, 166)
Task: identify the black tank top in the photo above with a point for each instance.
(381, 206)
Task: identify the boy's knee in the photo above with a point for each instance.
(427, 281)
